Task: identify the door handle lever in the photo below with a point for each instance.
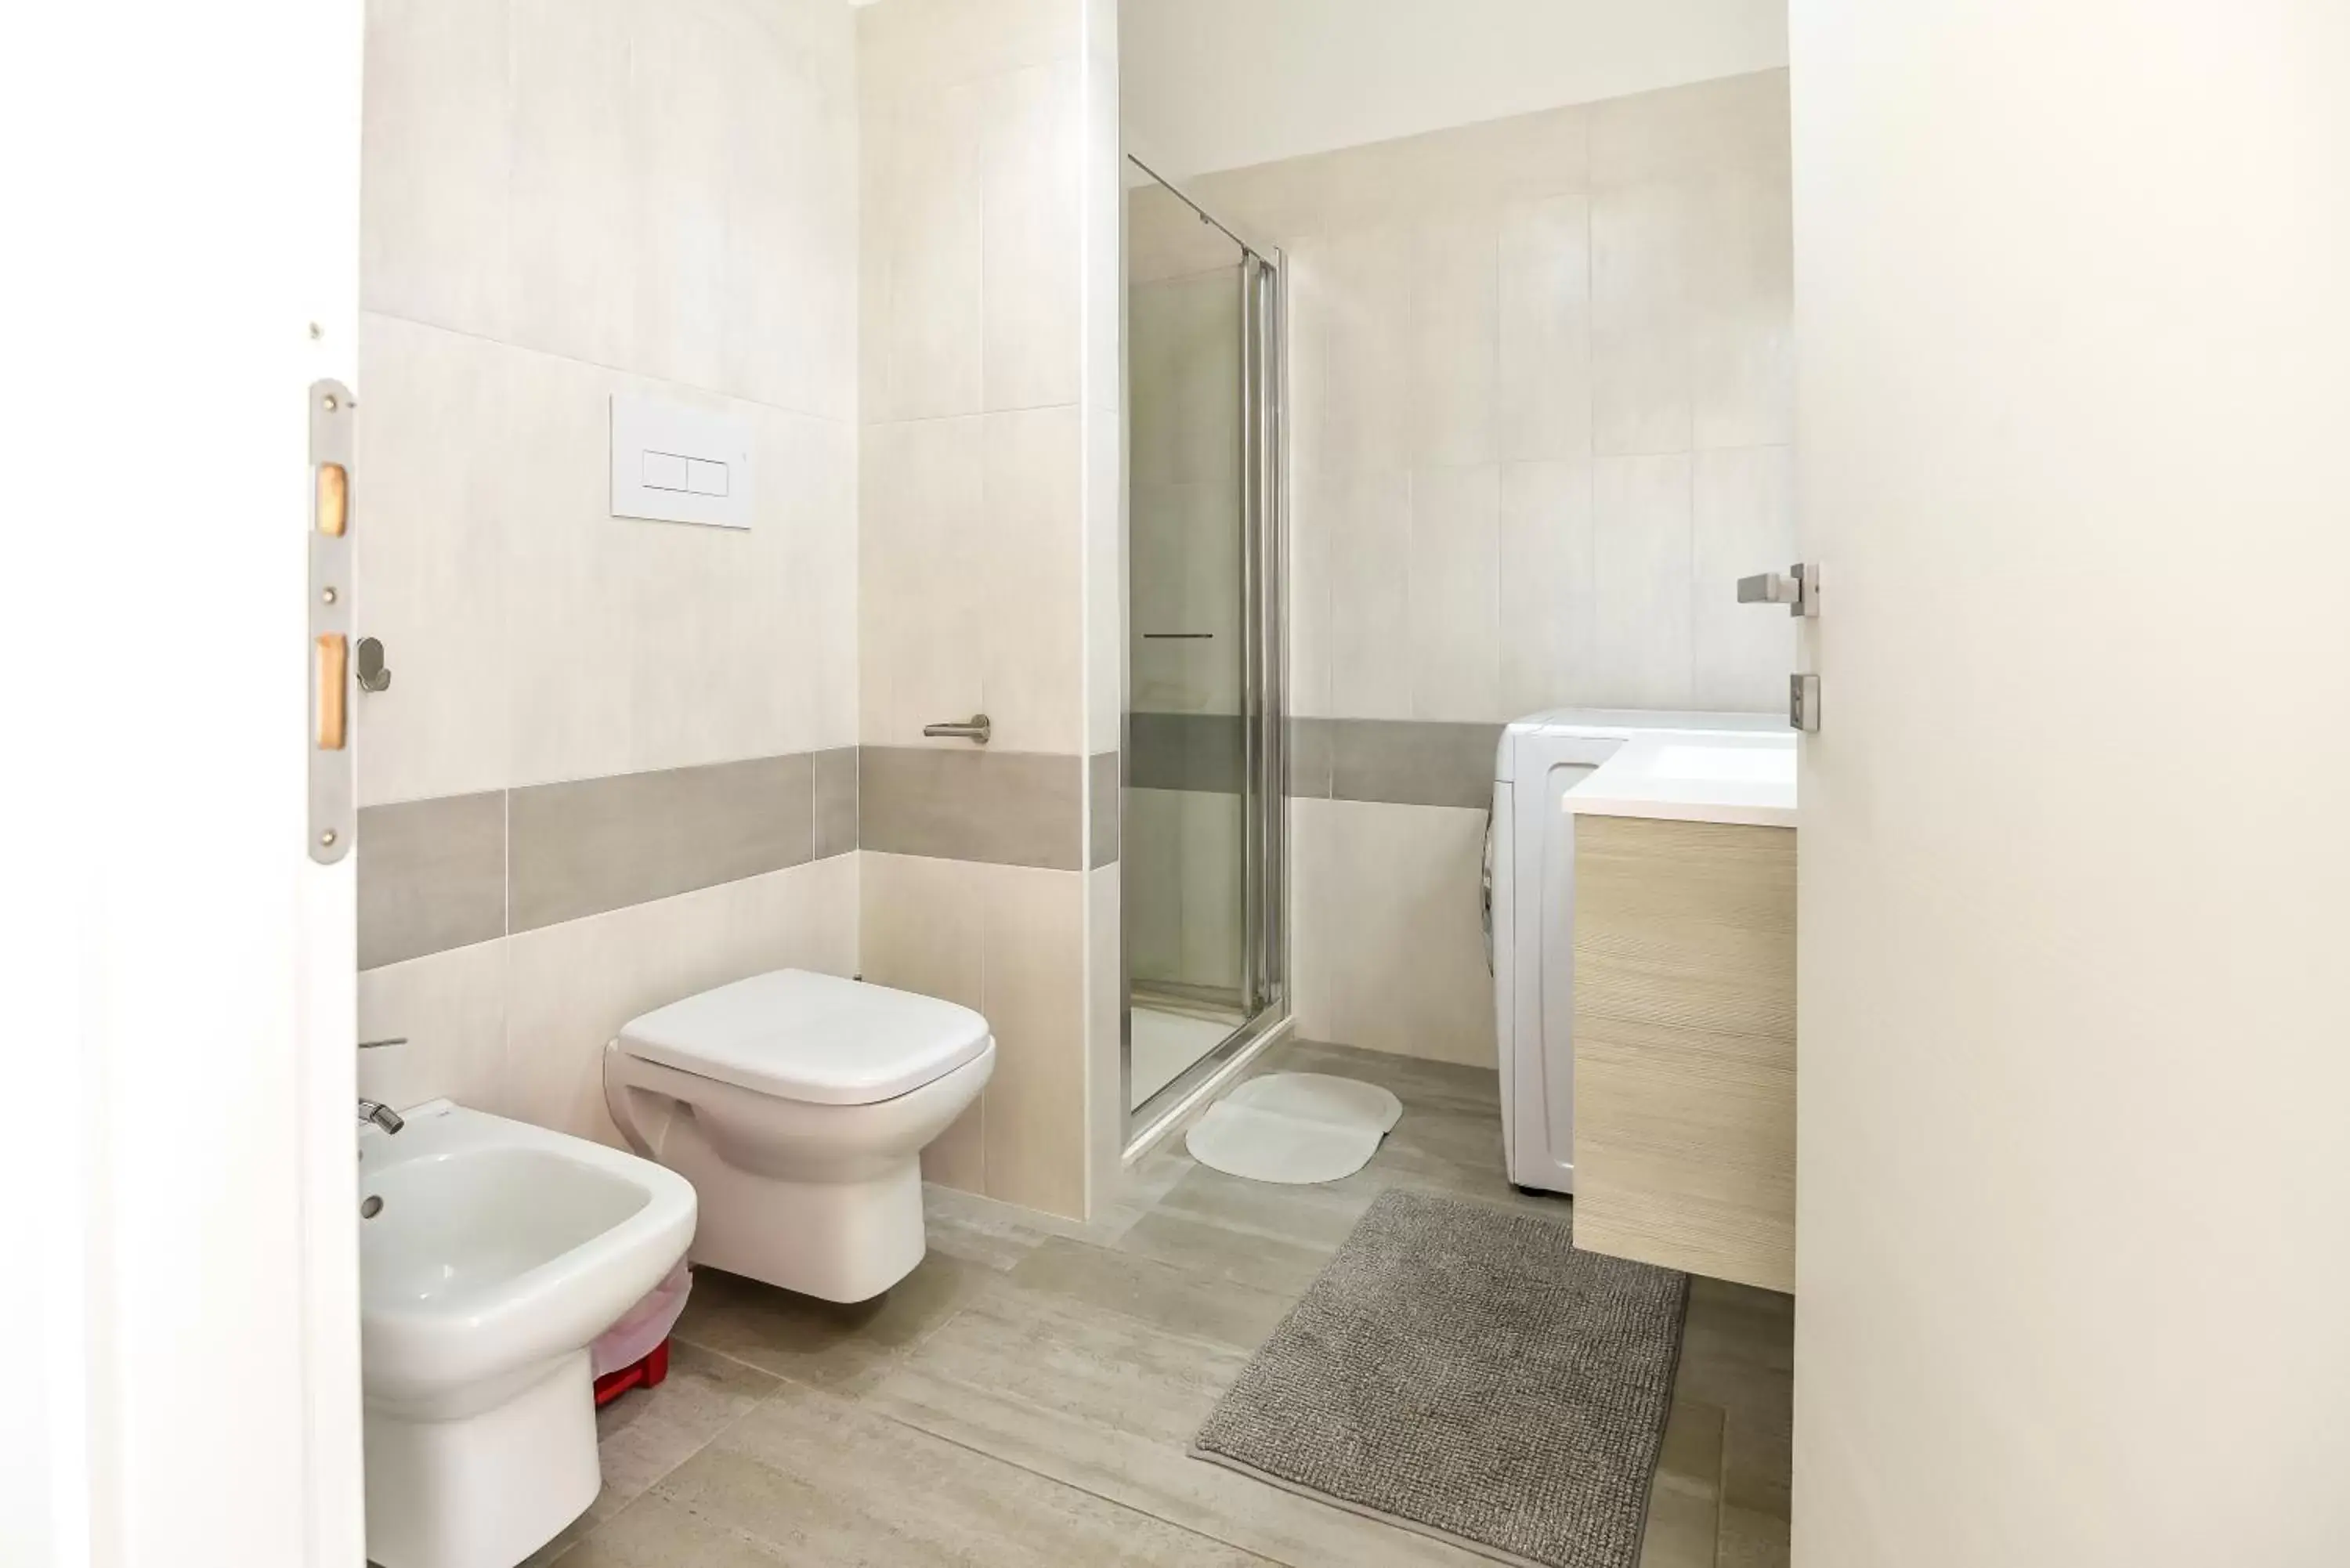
(1798, 588)
(976, 729)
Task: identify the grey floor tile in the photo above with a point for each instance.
(648, 1432)
(1158, 1294)
(1108, 1402)
(844, 1348)
(1685, 1501)
(1044, 1378)
(1256, 1259)
(1751, 1540)
(820, 1481)
(984, 1231)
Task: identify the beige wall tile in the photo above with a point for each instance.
(1033, 988)
(1741, 306)
(1691, 132)
(1359, 292)
(1370, 593)
(431, 541)
(1639, 320)
(642, 645)
(1547, 586)
(911, 46)
(1455, 624)
(1103, 282)
(1641, 566)
(1313, 525)
(436, 161)
(921, 551)
(1742, 504)
(668, 164)
(922, 315)
(572, 986)
(1105, 1028)
(1032, 181)
(1105, 579)
(1029, 581)
(1386, 940)
(1456, 337)
(922, 929)
(451, 1007)
(922, 926)
(1545, 330)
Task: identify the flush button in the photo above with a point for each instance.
(705, 478)
(666, 471)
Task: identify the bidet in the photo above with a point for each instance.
(491, 1254)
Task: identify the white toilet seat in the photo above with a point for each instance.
(798, 1106)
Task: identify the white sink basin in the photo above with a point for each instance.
(491, 1254)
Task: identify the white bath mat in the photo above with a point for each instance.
(1294, 1128)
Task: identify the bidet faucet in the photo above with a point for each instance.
(382, 1115)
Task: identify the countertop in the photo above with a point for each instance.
(1748, 779)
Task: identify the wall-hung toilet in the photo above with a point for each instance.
(798, 1106)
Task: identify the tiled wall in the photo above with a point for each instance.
(612, 765)
(1541, 417)
(989, 575)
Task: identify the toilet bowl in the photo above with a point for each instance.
(798, 1106)
(491, 1254)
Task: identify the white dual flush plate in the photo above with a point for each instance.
(676, 465)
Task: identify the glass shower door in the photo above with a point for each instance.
(1199, 858)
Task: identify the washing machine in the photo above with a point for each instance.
(1529, 916)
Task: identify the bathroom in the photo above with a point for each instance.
(1051, 775)
(1503, 421)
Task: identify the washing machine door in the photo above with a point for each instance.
(1538, 933)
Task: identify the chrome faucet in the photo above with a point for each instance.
(382, 1115)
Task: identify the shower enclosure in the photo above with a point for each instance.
(1204, 881)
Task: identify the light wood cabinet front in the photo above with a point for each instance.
(1685, 1045)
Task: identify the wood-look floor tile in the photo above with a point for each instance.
(654, 1532)
(987, 1231)
(1108, 1402)
(1685, 1500)
(820, 1481)
(648, 1432)
(844, 1348)
(1158, 1294)
(1750, 1539)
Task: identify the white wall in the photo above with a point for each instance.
(2072, 400)
(1221, 84)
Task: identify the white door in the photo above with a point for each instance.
(2073, 445)
(178, 1301)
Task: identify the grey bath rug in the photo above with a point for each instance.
(1463, 1371)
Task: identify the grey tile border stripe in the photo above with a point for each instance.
(1005, 808)
(836, 802)
(1106, 801)
(1400, 761)
(458, 869)
(1185, 751)
(431, 876)
(582, 848)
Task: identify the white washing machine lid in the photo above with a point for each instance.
(816, 1038)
